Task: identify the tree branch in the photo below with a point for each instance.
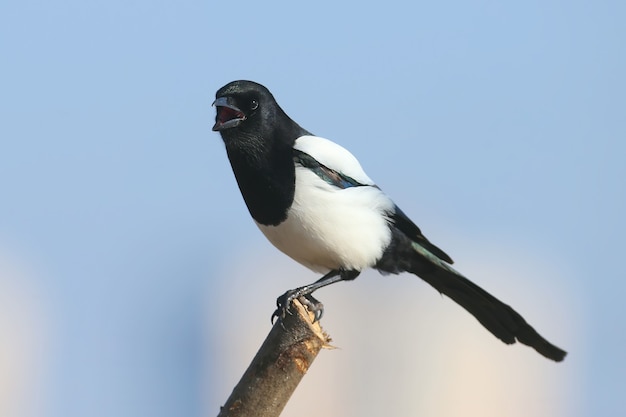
(278, 366)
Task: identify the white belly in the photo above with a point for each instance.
(329, 228)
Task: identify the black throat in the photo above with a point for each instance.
(267, 182)
(264, 167)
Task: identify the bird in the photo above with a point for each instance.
(313, 201)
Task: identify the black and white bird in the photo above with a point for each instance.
(313, 201)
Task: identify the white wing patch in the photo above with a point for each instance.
(333, 156)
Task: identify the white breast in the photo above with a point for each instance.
(328, 227)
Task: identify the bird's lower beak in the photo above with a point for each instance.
(228, 115)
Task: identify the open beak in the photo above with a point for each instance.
(228, 115)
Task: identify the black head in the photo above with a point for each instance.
(240, 103)
(246, 109)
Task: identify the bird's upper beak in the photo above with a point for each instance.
(228, 115)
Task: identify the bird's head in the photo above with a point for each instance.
(242, 104)
(248, 117)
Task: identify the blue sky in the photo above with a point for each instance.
(499, 128)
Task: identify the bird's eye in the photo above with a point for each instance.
(254, 105)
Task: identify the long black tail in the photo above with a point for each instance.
(499, 318)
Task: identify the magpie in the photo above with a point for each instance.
(313, 201)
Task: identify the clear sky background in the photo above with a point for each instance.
(133, 282)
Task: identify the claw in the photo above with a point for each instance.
(313, 305)
(283, 304)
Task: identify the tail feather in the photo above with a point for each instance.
(499, 318)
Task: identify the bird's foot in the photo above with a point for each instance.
(283, 304)
(313, 305)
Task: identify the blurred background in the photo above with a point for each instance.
(133, 281)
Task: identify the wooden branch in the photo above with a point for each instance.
(278, 366)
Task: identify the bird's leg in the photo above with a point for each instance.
(304, 294)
